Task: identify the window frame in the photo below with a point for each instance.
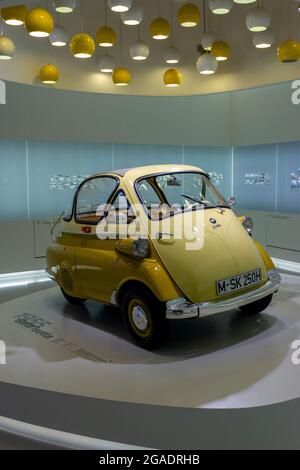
(116, 188)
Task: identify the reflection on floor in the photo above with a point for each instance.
(230, 360)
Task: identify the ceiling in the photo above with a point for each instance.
(248, 66)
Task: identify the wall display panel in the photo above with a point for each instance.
(13, 181)
(254, 177)
(128, 156)
(289, 177)
(56, 168)
(217, 161)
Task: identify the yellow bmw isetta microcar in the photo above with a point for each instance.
(161, 243)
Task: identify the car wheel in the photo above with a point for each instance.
(71, 299)
(145, 318)
(258, 306)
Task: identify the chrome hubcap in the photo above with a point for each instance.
(139, 318)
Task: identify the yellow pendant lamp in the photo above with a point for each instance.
(106, 37)
(160, 28)
(14, 16)
(220, 50)
(82, 46)
(289, 51)
(188, 15)
(39, 22)
(121, 76)
(172, 78)
(49, 74)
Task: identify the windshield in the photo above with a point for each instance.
(164, 195)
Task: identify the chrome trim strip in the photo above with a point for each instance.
(180, 308)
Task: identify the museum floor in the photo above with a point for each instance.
(75, 369)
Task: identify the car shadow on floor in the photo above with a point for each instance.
(186, 338)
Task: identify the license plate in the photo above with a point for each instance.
(235, 283)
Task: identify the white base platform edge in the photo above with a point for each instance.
(287, 266)
(59, 438)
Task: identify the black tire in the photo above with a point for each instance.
(153, 327)
(71, 299)
(258, 306)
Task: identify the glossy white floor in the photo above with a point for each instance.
(231, 360)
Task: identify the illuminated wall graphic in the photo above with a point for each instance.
(38, 179)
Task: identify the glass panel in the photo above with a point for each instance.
(289, 177)
(93, 194)
(128, 156)
(13, 181)
(255, 177)
(216, 161)
(56, 169)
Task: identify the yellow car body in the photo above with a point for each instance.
(184, 281)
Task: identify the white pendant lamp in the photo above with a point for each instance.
(207, 40)
(258, 19)
(263, 40)
(139, 50)
(172, 55)
(120, 6)
(220, 7)
(64, 6)
(207, 64)
(59, 37)
(134, 15)
(106, 64)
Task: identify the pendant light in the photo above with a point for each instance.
(160, 28)
(208, 37)
(64, 6)
(39, 22)
(172, 54)
(120, 6)
(59, 36)
(172, 78)
(121, 75)
(258, 19)
(289, 51)
(220, 50)
(106, 36)
(7, 47)
(49, 74)
(188, 15)
(263, 40)
(220, 7)
(139, 50)
(106, 64)
(207, 64)
(82, 45)
(14, 16)
(134, 15)
(207, 40)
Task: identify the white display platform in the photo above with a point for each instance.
(231, 361)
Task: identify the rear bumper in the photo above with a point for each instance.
(181, 308)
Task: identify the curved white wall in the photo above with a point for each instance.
(256, 116)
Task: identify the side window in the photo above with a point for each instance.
(121, 212)
(92, 195)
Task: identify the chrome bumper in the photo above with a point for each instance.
(181, 308)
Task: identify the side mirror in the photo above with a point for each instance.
(231, 201)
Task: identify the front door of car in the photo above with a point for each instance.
(101, 210)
